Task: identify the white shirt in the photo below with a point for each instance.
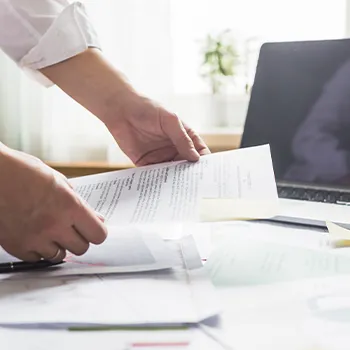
(40, 33)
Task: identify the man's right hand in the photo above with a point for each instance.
(40, 214)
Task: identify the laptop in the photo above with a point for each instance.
(300, 105)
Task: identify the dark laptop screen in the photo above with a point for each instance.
(300, 105)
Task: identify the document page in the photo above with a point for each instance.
(126, 249)
(175, 191)
(178, 296)
(177, 339)
(244, 261)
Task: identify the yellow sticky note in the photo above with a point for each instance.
(339, 236)
(227, 209)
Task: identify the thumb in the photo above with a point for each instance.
(175, 130)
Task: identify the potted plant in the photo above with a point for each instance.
(218, 68)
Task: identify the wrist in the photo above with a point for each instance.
(121, 106)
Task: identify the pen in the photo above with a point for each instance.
(20, 266)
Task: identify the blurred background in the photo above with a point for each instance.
(196, 57)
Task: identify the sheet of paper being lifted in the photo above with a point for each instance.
(229, 185)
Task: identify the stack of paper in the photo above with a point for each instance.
(182, 339)
(183, 295)
(284, 285)
(136, 278)
(126, 249)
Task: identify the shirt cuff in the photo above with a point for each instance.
(70, 34)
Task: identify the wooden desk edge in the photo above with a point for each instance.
(216, 143)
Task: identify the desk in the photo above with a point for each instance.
(296, 314)
(217, 140)
(254, 317)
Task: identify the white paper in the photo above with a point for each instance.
(281, 287)
(250, 253)
(174, 191)
(339, 236)
(246, 262)
(108, 340)
(127, 249)
(187, 339)
(182, 295)
(302, 315)
(286, 307)
(212, 236)
(314, 211)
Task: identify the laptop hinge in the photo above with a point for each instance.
(313, 186)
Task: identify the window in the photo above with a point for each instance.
(252, 23)
(157, 44)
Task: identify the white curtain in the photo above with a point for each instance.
(9, 107)
(24, 106)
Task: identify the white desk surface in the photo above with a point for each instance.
(302, 314)
(299, 312)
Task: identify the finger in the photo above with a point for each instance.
(60, 176)
(52, 252)
(160, 155)
(173, 127)
(73, 242)
(198, 142)
(20, 252)
(88, 224)
(100, 216)
(27, 256)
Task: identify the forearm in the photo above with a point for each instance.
(94, 83)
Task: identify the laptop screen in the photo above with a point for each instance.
(300, 105)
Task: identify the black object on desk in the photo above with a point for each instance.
(22, 266)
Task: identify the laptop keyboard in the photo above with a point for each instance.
(314, 195)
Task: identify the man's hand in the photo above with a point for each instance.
(40, 215)
(149, 134)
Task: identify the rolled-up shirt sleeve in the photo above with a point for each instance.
(40, 33)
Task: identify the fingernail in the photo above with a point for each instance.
(194, 154)
(101, 217)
